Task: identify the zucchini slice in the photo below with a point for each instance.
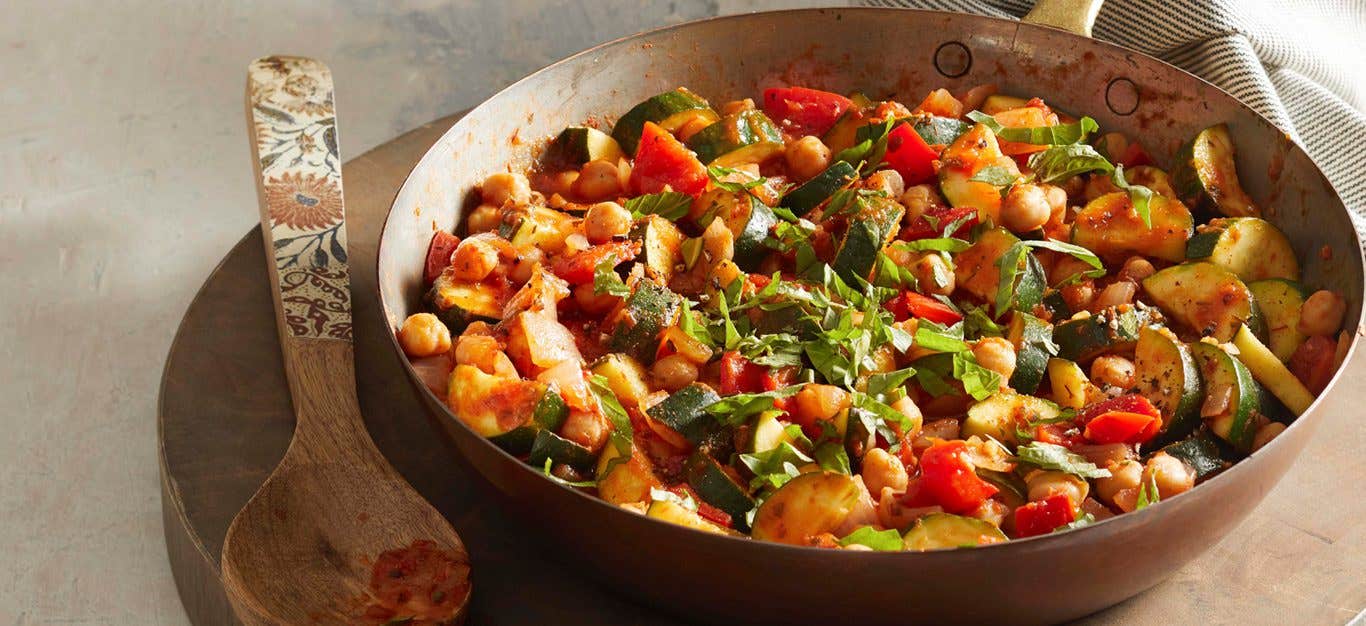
(577, 145)
(1167, 375)
(458, 303)
(675, 513)
(844, 134)
(717, 488)
(815, 191)
(1111, 330)
(975, 268)
(492, 405)
(1033, 340)
(1247, 246)
(999, 415)
(628, 481)
(557, 449)
(869, 230)
(995, 103)
(750, 221)
(671, 110)
(643, 315)
(733, 132)
(966, 157)
(625, 376)
(806, 506)
(938, 531)
(1232, 397)
(661, 246)
(1271, 373)
(939, 131)
(683, 411)
(1205, 174)
(753, 153)
(1070, 385)
(1111, 228)
(1280, 302)
(1201, 452)
(541, 227)
(1204, 297)
(768, 433)
(549, 415)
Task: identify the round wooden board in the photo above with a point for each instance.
(225, 419)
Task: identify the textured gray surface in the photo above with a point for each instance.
(124, 177)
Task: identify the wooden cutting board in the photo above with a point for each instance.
(225, 419)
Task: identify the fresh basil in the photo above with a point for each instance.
(737, 409)
(622, 434)
(606, 281)
(1063, 162)
(687, 322)
(1148, 494)
(773, 468)
(881, 540)
(1007, 292)
(938, 244)
(939, 338)
(882, 382)
(1139, 196)
(1051, 456)
(664, 495)
(978, 381)
(549, 462)
(670, 205)
(718, 175)
(832, 458)
(773, 350)
(997, 176)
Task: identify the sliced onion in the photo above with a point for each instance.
(549, 343)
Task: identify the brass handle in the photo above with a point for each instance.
(1074, 16)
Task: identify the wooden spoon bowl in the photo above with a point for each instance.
(335, 535)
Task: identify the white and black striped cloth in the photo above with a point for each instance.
(1261, 53)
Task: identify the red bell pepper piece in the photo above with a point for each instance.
(950, 478)
(1063, 435)
(662, 160)
(739, 375)
(1313, 362)
(439, 254)
(911, 304)
(932, 223)
(803, 111)
(1122, 427)
(1044, 516)
(578, 269)
(909, 155)
(1129, 403)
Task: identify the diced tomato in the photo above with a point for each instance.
(909, 155)
(950, 478)
(439, 254)
(803, 111)
(1122, 427)
(1064, 435)
(942, 103)
(774, 379)
(932, 223)
(1130, 403)
(911, 304)
(739, 375)
(1135, 155)
(1044, 516)
(578, 269)
(1313, 362)
(662, 161)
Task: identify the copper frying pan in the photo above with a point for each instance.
(887, 53)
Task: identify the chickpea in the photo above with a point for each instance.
(737, 106)
(1114, 294)
(598, 180)
(1078, 295)
(1065, 267)
(1115, 371)
(604, 221)
(933, 275)
(1046, 483)
(1124, 477)
(525, 265)
(888, 182)
(1322, 313)
(1265, 433)
(674, 372)
(423, 334)
(907, 407)
(807, 157)
(499, 188)
(1025, 208)
(819, 402)
(586, 428)
(1170, 474)
(1057, 199)
(474, 259)
(881, 469)
(483, 218)
(918, 199)
(591, 302)
(1136, 269)
(483, 352)
(995, 354)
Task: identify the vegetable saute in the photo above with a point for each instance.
(828, 321)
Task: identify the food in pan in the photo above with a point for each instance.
(830, 321)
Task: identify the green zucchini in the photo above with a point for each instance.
(996, 103)
(557, 449)
(1033, 341)
(733, 132)
(577, 145)
(1233, 420)
(717, 488)
(1201, 452)
(645, 313)
(1280, 302)
(675, 513)
(768, 432)
(661, 246)
(939, 131)
(1247, 246)
(815, 191)
(806, 506)
(1111, 330)
(670, 110)
(1205, 298)
(938, 531)
(549, 414)
(750, 222)
(1055, 305)
(628, 481)
(1206, 176)
(1111, 228)
(1167, 375)
(844, 134)
(541, 227)
(492, 405)
(976, 269)
(999, 415)
(869, 230)
(755, 153)
(457, 303)
(1070, 386)
(625, 376)
(684, 411)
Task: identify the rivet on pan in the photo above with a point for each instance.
(1121, 95)
(952, 59)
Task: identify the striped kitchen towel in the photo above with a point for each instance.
(1297, 62)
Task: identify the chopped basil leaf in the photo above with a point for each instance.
(978, 323)
(996, 176)
(881, 540)
(882, 382)
(774, 350)
(1147, 493)
(622, 433)
(939, 244)
(1055, 457)
(669, 205)
(606, 280)
(979, 382)
(1062, 162)
(832, 457)
(1139, 196)
(737, 409)
(718, 174)
(938, 338)
(1009, 264)
(687, 322)
(568, 483)
(773, 468)
(1083, 519)
(893, 276)
(664, 495)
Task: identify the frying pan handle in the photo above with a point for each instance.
(1074, 16)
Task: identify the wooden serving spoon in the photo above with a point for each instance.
(335, 535)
